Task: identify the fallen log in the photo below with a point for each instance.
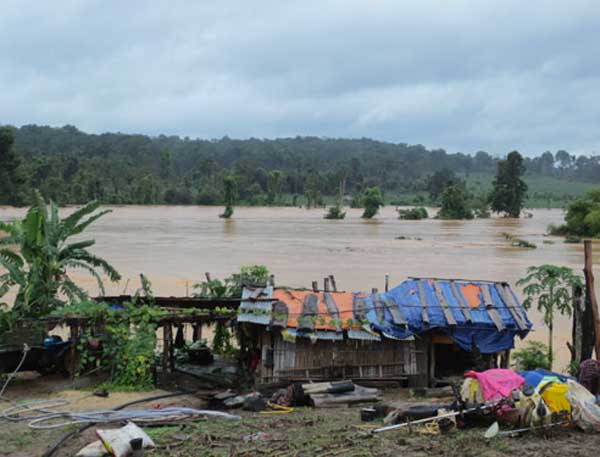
(358, 395)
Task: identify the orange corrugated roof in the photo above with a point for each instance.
(294, 299)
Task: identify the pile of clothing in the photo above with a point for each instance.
(534, 398)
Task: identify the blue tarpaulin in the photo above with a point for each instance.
(481, 331)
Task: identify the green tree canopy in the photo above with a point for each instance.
(509, 190)
(455, 204)
(372, 200)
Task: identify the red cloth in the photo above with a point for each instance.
(497, 383)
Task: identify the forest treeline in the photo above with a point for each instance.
(71, 166)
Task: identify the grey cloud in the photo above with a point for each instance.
(462, 75)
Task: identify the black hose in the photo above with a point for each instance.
(63, 439)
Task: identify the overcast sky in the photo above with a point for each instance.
(491, 75)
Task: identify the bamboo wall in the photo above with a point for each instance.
(388, 360)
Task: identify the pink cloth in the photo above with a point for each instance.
(497, 383)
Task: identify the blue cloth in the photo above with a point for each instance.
(534, 377)
(481, 332)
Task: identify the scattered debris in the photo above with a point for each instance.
(358, 395)
(258, 436)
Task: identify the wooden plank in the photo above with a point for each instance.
(256, 293)
(332, 309)
(439, 293)
(491, 309)
(423, 301)
(389, 304)
(279, 316)
(511, 305)
(379, 306)
(461, 301)
(359, 308)
(309, 311)
(333, 283)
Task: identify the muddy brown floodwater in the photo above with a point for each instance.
(175, 245)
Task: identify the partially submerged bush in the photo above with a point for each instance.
(413, 214)
(335, 212)
(572, 239)
(533, 355)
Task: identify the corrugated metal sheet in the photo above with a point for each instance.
(482, 313)
(256, 311)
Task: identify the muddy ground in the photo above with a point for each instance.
(303, 432)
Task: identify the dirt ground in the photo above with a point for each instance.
(304, 432)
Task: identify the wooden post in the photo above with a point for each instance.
(387, 282)
(207, 274)
(374, 290)
(326, 284)
(591, 293)
(315, 286)
(196, 331)
(333, 284)
(576, 347)
(74, 353)
(166, 348)
(272, 280)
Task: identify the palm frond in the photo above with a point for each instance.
(81, 227)
(90, 270)
(66, 251)
(70, 222)
(98, 262)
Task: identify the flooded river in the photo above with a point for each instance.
(175, 245)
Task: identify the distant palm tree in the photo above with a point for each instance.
(39, 267)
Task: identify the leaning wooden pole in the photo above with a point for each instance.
(591, 293)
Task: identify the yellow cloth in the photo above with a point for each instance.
(555, 397)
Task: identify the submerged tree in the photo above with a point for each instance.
(509, 189)
(230, 196)
(455, 204)
(336, 211)
(372, 200)
(551, 287)
(44, 255)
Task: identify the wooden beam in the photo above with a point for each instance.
(464, 307)
(387, 282)
(315, 286)
(511, 305)
(491, 309)
(439, 293)
(591, 292)
(423, 301)
(326, 284)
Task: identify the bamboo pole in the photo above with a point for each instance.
(591, 293)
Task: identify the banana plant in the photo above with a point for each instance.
(45, 253)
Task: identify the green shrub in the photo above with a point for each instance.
(335, 212)
(533, 355)
(413, 214)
